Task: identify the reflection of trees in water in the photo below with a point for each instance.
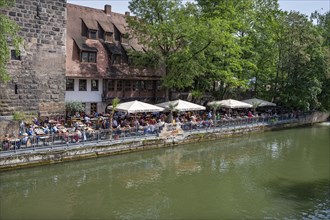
(313, 194)
(187, 167)
(138, 178)
(229, 151)
(146, 167)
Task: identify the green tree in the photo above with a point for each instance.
(264, 39)
(323, 27)
(115, 102)
(214, 107)
(173, 37)
(74, 106)
(8, 36)
(301, 63)
(227, 61)
(172, 108)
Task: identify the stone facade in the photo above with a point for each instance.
(38, 78)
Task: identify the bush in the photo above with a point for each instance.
(74, 106)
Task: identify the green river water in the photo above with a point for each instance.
(272, 175)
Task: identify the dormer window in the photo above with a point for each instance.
(89, 57)
(108, 36)
(92, 34)
(124, 38)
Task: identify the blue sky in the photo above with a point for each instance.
(303, 6)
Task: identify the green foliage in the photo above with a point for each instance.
(74, 106)
(301, 63)
(24, 116)
(172, 108)
(227, 61)
(19, 116)
(115, 102)
(173, 37)
(8, 36)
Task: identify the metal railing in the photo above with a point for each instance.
(151, 131)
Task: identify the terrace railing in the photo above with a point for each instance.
(107, 136)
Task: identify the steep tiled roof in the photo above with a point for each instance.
(119, 21)
(94, 19)
(81, 43)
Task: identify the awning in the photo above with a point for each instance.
(83, 46)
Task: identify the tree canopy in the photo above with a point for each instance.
(234, 48)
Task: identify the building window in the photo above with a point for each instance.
(88, 57)
(14, 55)
(124, 39)
(119, 85)
(111, 85)
(108, 36)
(82, 85)
(127, 85)
(135, 86)
(95, 85)
(69, 84)
(92, 34)
(93, 108)
(142, 85)
(116, 59)
(149, 85)
(16, 89)
(159, 85)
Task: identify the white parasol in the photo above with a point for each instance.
(181, 105)
(258, 102)
(231, 103)
(137, 106)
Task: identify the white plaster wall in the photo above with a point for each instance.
(85, 96)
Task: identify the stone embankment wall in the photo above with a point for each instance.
(51, 156)
(38, 79)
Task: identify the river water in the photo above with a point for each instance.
(271, 175)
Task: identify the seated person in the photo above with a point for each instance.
(6, 142)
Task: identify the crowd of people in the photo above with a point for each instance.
(81, 126)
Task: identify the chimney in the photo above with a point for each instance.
(107, 9)
(127, 13)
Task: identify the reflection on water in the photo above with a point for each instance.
(283, 174)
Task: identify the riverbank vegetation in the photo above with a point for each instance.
(235, 49)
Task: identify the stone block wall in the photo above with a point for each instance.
(38, 79)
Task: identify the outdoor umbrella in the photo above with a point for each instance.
(258, 102)
(231, 103)
(137, 106)
(181, 105)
